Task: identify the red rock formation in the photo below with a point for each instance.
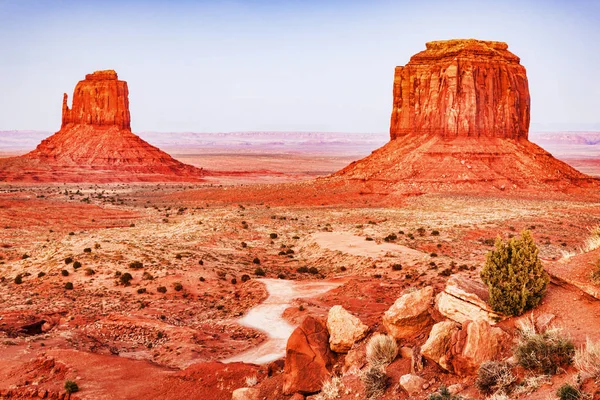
(308, 360)
(95, 143)
(461, 88)
(99, 100)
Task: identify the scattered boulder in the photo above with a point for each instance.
(438, 345)
(308, 360)
(465, 299)
(461, 350)
(245, 394)
(344, 329)
(409, 314)
(413, 384)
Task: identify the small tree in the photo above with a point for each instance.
(514, 275)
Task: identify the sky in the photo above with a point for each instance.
(288, 65)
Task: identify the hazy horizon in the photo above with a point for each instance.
(321, 66)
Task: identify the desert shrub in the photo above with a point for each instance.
(302, 270)
(25, 256)
(397, 267)
(76, 265)
(68, 260)
(494, 377)
(313, 270)
(390, 238)
(161, 289)
(64, 272)
(256, 261)
(147, 276)
(259, 272)
(251, 380)
(281, 275)
(245, 278)
(543, 352)
(136, 265)
(41, 274)
(369, 239)
(233, 281)
(569, 392)
(244, 244)
(87, 250)
(201, 279)
(443, 394)
(89, 272)
(71, 387)
(381, 350)
(273, 236)
(178, 256)
(375, 381)
(69, 286)
(435, 233)
(141, 290)
(178, 287)
(421, 231)
(587, 360)
(125, 279)
(331, 389)
(201, 262)
(19, 279)
(514, 275)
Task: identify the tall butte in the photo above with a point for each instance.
(95, 143)
(460, 122)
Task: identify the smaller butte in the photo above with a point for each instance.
(95, 143)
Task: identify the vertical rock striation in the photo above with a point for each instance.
(468, 87)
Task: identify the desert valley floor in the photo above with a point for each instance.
(198, 266)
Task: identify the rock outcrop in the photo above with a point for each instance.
(308, 359)
(466, 88)
(465, 299)
(409, 314)
(95, 143)
(461, 350)
(344, 329)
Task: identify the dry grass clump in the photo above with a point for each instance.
(495, 377)
(332, 389)
(569, 392)
(443, 394)
(532, 383)
(381, 350)
(375, 381)
(587, 360)
(251, 381)
(544, 352)
(593, 241)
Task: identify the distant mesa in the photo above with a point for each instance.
(95, 143)
(460, 122)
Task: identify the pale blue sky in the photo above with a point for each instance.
(309, 65)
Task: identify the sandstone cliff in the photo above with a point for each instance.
(461, 88)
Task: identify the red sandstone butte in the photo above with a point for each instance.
(456, 88)
(459, 123)
(95, 143)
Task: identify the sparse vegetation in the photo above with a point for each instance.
(161, 289)
(303, 269)
(443, 394)
(76, 265)
(89, 271)
(18, 279)
(381, 350)
(178, 287)
(331, 389)
(87, 250)
(69, 286)
(514, 275)
(569, 392)
(125, 279)
(587, 360)
(136, 265)
(256, 260)
(68, 260)
(259, 272)
(64, 272)
(313, 270)
(71, 387)
(375, 381)
(495, 377)
(273, 236)
(544, 352)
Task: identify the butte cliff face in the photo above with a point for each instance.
(459, 123)
(95, 143)
(468, 88)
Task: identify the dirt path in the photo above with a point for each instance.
(268, 317)
(358, 246)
